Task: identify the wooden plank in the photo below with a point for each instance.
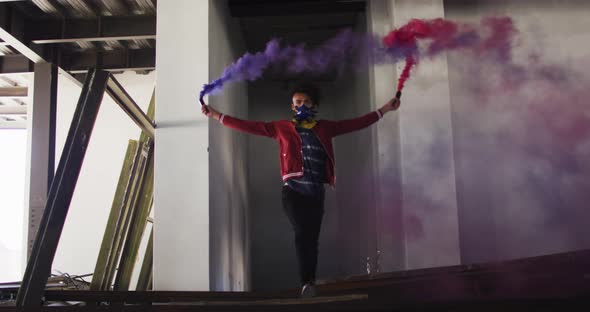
(61, 191)
(107, 248)
(122, 211)
(14, 92)
(132, 195)
(144, 282)
(122, 225)
(162, 296)
(288, 301)
(138, 221)
(141, 211)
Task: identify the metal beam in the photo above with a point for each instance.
(10, 64)
(20, 47)
(116, 60)
(61, 191)
(122, 98)
(41, 148)
(17, 124)
(246, 8)
(11, 32)
(131, 27)
(13, 110)
(14, 92)
(16, 32)
(93, 39)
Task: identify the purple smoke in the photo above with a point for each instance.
(291, 59)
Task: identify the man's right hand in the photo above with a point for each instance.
(210, 112)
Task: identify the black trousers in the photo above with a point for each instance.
(305, 213)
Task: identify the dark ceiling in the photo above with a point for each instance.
(310, 22)
(294, 21)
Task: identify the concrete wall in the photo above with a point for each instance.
(228, 152)
(348, 232)
(271, 253)
(181, 188)
(521, 140)
(12, 208)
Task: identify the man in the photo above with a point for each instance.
(307, 163)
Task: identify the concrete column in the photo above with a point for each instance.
(382, 80)
(429, 204)
(181, 185)
(40, 161)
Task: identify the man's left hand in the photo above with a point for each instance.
(392, 105)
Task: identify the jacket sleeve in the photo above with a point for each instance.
(266, 129)
(339, 127)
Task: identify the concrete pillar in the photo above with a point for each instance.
(417, 217)
(429, 203)
(40, 161)
(382, 80)
(181, 185)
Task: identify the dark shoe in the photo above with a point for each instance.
(308, 291)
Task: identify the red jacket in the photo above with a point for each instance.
(291, 159)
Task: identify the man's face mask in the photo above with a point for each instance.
(304, 113)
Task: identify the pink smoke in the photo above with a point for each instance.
(405, 73)
(442, 35)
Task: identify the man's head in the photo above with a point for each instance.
(305, 94)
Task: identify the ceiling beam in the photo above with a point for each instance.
(19, 46)
(244, 8)
(56, 7)
(30, 39)
(10, 64)
(93, 7)
(11, 26)
(115, 60)
(98, 29)
(13, 110)
(16, 124)
(14, 92)
(93, 39)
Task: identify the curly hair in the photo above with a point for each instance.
(311, 90)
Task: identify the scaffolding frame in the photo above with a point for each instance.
(39, 264)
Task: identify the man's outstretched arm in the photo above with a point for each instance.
(253, 127)
(345, 126)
